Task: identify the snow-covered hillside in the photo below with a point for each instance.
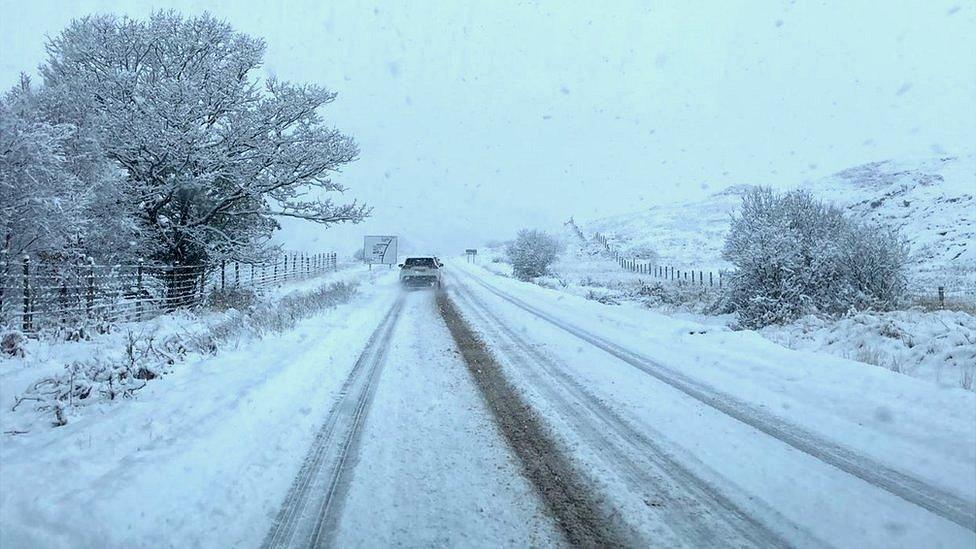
(683, 235)
(930, 200)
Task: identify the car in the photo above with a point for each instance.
(421, 271)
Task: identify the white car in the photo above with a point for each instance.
(421, 271)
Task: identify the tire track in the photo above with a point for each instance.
(692, 508)
(576, 509)
(932, 498)
(310, 512)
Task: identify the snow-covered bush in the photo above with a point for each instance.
(644, 252)
(239, 299)
(12, 343)
(875, 264)
(104, 377)
(532, 252)
(285, 313)
(147, 356)
(797, 255)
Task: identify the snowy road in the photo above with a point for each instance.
(712, 464)
(666, 456)
(408, 455)
(498, 413)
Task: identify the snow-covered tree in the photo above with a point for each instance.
(796, 255)
(532, 253)
(211, 155)
(58, 198)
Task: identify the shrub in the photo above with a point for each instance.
(147, 357)
(796, 255)
(239, 299)
(532, 253)
(12, 343)
(643, 252)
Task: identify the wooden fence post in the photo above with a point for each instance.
(63, 301)
(942, 297)
(27, 295)
(711, 282)
(223, 271)
(237, 274)
(203, 283)
(701, 279)
(139, 291)
(90, 298)
(3, 281)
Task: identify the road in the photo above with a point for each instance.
(499, 414)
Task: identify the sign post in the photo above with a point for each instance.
(380, 249)
(471, 254)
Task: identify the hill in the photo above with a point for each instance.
(931, 201)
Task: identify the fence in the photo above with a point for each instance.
(936, 296)
(37, 295)
(679, 276)
(682, 277)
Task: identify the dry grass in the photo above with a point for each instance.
(931, 303)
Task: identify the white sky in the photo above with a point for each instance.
(478, 118)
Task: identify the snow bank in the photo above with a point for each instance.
(938, 346)
(202, 457)
(51, 367)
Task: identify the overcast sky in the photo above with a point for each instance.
(477, 118)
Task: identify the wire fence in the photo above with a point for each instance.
(681, 276)
(959, 296)
(39, 295)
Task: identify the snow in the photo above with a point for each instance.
(933, 345)
(937, 346)
(434, 471)
(758, 370)
(223, 436)
(220, 437)
(906, 424)
(48, 356)
(931, 201)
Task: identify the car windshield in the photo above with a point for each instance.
(420, 262)
(705, 273)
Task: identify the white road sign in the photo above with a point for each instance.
(380, 249)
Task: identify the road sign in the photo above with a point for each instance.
(380, 249)
(470, 253)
